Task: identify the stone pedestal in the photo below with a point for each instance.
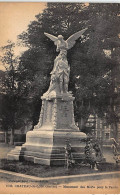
(46, 143)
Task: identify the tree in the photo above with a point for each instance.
(9, 89)
(105, 47)
(91, 68)
(38, 60)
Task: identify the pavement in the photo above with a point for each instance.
(108, 154)
(69, 178)
(4, 149)
(107, 182)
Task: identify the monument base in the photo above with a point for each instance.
(46, 143)
(48, 147)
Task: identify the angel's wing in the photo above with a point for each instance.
(52, 37)
(71, 40)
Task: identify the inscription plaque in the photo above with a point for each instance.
(64, 114)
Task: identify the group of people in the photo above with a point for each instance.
(93, 154)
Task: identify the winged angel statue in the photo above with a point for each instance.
(61, 70)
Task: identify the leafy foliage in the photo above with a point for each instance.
(14, 108)
(94, 60)
(91, 77)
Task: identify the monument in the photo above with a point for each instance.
(45, 144)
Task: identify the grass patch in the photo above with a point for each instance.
(30, 168)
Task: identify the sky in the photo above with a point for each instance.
(14, 19)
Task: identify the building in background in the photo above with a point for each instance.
(102, 131)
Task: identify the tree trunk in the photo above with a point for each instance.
(6, 137)
(12, 137)
(116, 132)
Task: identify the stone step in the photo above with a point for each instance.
(52, 156)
